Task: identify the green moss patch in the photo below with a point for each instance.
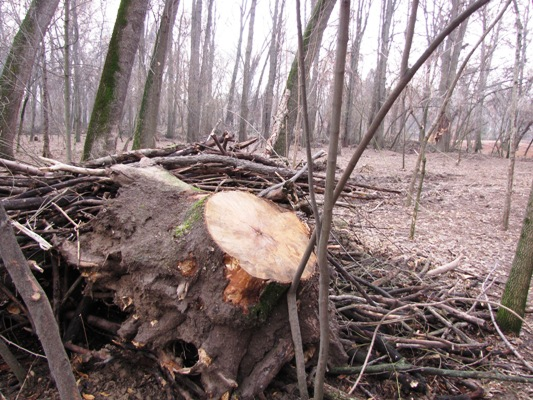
(194, 214)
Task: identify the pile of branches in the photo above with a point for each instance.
(395, 322)
(403, 323)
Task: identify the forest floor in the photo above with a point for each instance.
(460, 214)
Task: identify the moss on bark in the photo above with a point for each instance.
(517, 286)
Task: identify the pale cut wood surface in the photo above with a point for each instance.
(267, 241)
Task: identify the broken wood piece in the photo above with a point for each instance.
(17, 166)
(445, 268)
(59, 166)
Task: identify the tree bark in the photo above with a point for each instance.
(106, 116)
(18, 67)
(231, 96)
(285, 118)
(380, 79)
(39, 308)
(247, 75)
(77, 93)
(513, 145)
(206, 74)
(449, 63)
(67, 83)
(193, 88)
(519, 280)
(273, 66)
(146, 124)
(45, 104)
(361, 16)
(329, 198)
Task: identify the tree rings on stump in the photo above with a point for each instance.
(266, 241)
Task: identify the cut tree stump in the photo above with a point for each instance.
(202, 278)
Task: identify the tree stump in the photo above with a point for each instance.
(202, 278)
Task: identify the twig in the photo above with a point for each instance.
(378, 368)
(43, 244)
(294, 178)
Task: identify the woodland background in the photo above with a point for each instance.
(240, 71)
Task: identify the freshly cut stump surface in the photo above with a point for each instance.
(267, 241)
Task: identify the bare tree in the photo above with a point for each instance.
(513, 118)
(206, 72)
(76, 70)
(109, 103)
(285, 119)
(67, 83)
(231, 96)
(45, 104)
(193, 90)
(18, 67)
(247, 75)
(329, 198)
(517, 287)
(449, 62)
(273, 66)
(380, 79)
(409, 33)
(146, 124)
(361, 20)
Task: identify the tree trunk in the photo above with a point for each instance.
(519, 280)
(109, 102)
(213, 281)
(78, 122)
(400, 108)
(146, 124)
(193, 89)
(285, 118)
(171, 91)
(44, 106)
(380, 80)
(273, 61)
(17, 69)
(67, 83)
(449, 63)
(247, 75)
(206, 74)
(329, 198)
(362, 12)
(486, 53)
(513, 116)
(231, 96)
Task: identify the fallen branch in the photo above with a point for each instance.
(39, 308)
(59, 166)
(444, 268)
(378, 368)
(17, 166)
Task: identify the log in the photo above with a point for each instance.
(205, 272)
